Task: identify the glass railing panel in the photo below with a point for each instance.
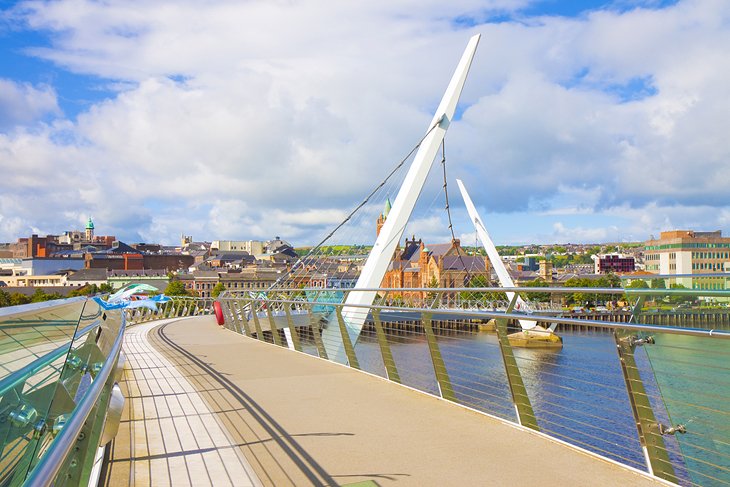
(30, 331)
(693, 377)
(34, 344)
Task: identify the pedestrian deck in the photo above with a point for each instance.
(208, 406)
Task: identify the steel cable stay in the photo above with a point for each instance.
(314, 249)
(448, 212)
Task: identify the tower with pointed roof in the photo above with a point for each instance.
(383, 216)
(89, 230)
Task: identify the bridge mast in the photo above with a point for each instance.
(532, 332)
(392, 231)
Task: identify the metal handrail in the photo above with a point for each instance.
(44, 474)
(557, 290)
(535, 317)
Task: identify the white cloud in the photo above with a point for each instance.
(22, 103)
(249, 119)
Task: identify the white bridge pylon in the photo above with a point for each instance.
(392, 230)
(505, 280)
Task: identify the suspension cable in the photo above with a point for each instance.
(448, 212)
(357, 208)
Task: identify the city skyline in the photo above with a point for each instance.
(604, 123)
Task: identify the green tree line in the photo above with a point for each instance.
(39, 295)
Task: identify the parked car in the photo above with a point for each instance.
(600, 309)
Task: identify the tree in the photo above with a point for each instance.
(433, 283)
(176, 288)
(83, 291)
(217, 290)
(541, 297)
(106, 288)
(658, 284)
(635, 284)
(4, 299)
(18, 299)
(679, 299)
(613, 280)
(38, 296)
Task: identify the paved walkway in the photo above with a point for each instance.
(212, 397)
(168, 435)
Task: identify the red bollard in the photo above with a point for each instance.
(218, 313)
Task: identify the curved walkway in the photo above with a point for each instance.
(168, 435)
(299, 420)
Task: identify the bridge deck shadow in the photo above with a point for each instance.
(227, 409)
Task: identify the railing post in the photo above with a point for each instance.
(244, 320)
(439, 368)
(391, 371)
(520, 399)
(647, 427)
(228, 317)
(272, 324)
(235, 312)
(652, 442)
(256, 322)
(314, 322)
(296, 343)
(349, 349)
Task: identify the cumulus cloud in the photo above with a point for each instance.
(255, 119)
(22, 103)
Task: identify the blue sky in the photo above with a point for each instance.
(581, 121)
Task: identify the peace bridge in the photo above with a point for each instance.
(363, 387)
(97, 396)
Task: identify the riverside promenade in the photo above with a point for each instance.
(206, 406)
